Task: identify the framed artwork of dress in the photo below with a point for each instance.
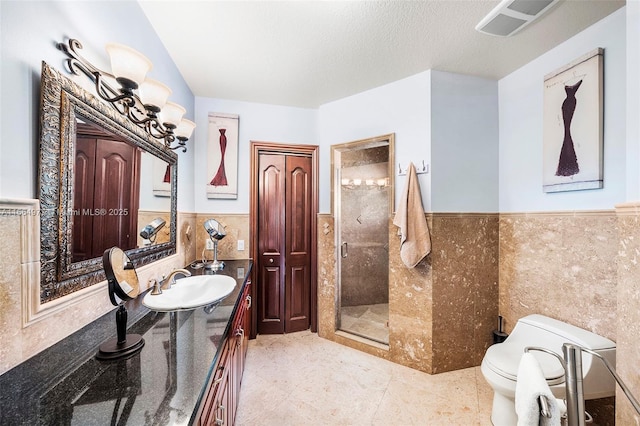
(222, 156)
(573, 125)
(161, 178)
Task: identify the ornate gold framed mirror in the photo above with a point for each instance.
(66, 266)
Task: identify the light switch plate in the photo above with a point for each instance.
(240, 273)
(240, 245)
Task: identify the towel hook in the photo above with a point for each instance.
(421, 169)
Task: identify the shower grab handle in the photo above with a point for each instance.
(344, 250)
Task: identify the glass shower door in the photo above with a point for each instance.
(363, 194)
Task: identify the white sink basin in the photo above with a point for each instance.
(190, 293)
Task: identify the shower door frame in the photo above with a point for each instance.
(336, 150)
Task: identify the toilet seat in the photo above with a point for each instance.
(504, 358)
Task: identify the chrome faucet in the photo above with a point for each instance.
(167, 282)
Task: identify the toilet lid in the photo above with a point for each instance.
(504, 360)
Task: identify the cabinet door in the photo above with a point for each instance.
(247, 321)
(221, 402)
(217, 387)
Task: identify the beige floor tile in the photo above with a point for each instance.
(301, 379)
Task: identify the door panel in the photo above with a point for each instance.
(271, 295)
(298, 258)
(271, 218)
(115, 169)
(83, 186)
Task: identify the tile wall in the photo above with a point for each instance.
(628, 313)
(26, 330)
(442, 312)
(562, 265)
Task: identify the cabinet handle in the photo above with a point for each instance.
(219, 379)
(239, 333)
(270, 260)
(220, 422)
(344, 250)
(248, 301)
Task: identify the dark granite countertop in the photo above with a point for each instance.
(163, 384)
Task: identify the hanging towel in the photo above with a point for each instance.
(530, 385)
(415, 241)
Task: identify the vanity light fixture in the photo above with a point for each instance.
(142, 100)
(379, 183)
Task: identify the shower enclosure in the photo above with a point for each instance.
(362, 204)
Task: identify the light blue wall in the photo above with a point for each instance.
(464, 143)
(401, 107)
(29, 32)
(257, 122)
(449, 121)
(633, 100)
(521, 124)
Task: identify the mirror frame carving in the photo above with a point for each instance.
(61, 101)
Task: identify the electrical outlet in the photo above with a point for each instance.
(240, 273)
(240, 245)
(209, 245)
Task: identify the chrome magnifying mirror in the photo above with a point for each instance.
(150, 231)
(216, 233)
(123, 285)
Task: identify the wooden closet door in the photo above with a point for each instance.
(284, 243)
(271, 243)
(298, 244)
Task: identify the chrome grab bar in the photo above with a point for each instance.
(623, 386)
(572, 364)
(542, 401)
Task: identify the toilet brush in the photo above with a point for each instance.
(499, 335)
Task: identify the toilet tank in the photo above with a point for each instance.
(549, 333)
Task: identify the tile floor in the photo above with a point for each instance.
(368, 321)
(302, 379)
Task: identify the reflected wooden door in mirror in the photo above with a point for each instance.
(107, 183)
(120, 202)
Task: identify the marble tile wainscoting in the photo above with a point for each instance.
(28, 327)
(442, 312)
(563, 265)
(628, 311)
(237, 228)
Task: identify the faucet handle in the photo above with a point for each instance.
(165, 284)
(156, 287)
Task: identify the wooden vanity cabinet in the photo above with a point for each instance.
(223, 390)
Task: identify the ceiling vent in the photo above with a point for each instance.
(510, 16)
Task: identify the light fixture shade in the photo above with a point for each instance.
(154, 93)
(185, 128)
(172, 114)
(128, 63)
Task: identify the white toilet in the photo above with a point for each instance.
(500, 363)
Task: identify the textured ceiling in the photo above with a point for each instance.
(306, 53)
